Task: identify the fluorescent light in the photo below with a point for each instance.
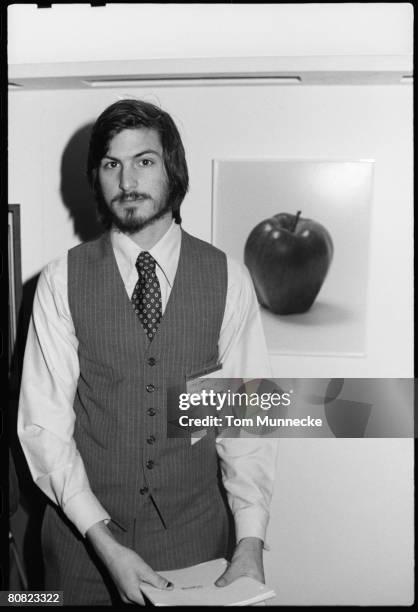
(190, 81)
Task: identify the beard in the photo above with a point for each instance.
(129, 219)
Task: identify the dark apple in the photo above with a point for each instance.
(288, 258)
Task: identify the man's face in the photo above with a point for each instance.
(133, 180)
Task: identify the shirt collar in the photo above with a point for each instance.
(166, 251)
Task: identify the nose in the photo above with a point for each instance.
(127, 178)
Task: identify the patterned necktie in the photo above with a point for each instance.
(146, 297)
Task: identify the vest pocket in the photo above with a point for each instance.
(123, 534)
(204, 371)
(116, 526)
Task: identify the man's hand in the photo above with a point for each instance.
(125, 567)
(247, 561)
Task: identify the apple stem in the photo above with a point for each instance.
(295, 222)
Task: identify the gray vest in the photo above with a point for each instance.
(121, 399)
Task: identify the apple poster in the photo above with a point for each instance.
(302, 228)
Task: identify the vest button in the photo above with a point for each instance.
(150, 464)
(151, 439)
(152, 361)
(150, 388)
(143, 490)
(151, 411)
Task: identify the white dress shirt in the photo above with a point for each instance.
(51, 370)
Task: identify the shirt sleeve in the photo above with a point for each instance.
(46, 416)
(248, 463)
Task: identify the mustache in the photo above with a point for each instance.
(131, 196)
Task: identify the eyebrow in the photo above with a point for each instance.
(146, 152)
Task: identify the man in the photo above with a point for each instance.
(118, 325)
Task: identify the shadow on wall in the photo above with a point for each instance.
(75, 191)
(26, 502)
(26, 518)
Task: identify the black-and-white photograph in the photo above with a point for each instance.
(316, 267)
(198, 193)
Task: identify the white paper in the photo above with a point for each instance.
(194, 586)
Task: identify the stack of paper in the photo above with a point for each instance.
(194, 586)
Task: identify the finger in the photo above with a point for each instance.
(157, 581)
(145, 573)
(134, 596)
(138, 599)
(226, 578)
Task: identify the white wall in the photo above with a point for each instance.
(138, 31)
(342, 523)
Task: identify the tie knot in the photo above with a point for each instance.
(145, 263)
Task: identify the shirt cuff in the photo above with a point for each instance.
(251, 523)
(84, 510)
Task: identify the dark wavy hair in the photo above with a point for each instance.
(131, 114)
